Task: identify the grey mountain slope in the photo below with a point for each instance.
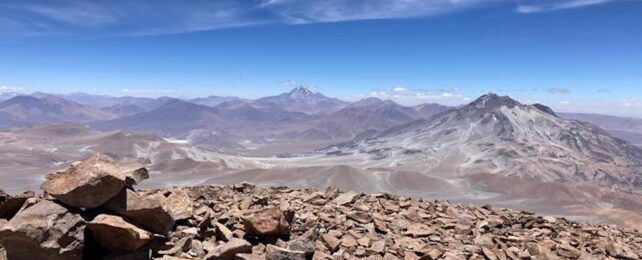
(172, 118)
(177, 118)
(28, 110)
(212, 101)
(103, 101)
(499, 135)
(626, 128)
(362, 118)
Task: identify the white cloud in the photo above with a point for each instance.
(415, 96)
(379, 94)
(123, 17)
(535, 6)
(6, 88)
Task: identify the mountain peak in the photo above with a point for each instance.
(492, 100)
(303, 92)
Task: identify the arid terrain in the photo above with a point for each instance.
(93, 211)
(494, 150)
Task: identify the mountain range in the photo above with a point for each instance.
(494, 149)
(300, 117)
(498, 135)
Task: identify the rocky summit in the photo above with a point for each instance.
(249, 222)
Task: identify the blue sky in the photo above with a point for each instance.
(574, 55)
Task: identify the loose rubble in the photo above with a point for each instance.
(247, 222)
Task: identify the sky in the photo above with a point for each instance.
(573, 55)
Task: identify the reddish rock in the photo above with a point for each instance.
(10, 205)
(270, 221)
(228, 250)
(141, 210)
(46, 230)
(88, 184)
(114, 233)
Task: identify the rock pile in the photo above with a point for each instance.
(92, 211)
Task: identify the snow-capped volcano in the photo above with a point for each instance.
(303, 99)
(496, 134)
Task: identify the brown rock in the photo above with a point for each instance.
(142, 210)
(278, 253)
(114, 233)
(345, 198)
(331, 242)
(46, 230)
(87, 185)
(360, 216)
(378, 246)
(228, 250)
(135, 171)
(419, 230)
(9, 205)
(180, 246)
(270, 221)
(432, 254)
(621, 251)
(489, 253)
(248, 257)
(179, 205)
(222, 232)
(568, 251)
(318, 255)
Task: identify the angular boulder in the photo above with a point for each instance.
(269, 222)
(278, 253)
(46, 230)
(9, 205)
(143, 211)
(228, 250)
(135, 171)
(88, 184)
(179, 205)
(114, 233)
(345, 198)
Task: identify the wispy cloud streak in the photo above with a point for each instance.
(123, 17)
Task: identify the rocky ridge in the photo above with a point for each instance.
(250, 222)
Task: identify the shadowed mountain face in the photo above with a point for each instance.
(104, 101)
(362, 119)
(28, 110)
(177, 117)
(502, 136)
(172, 118)
(302, 99)
(213, 101)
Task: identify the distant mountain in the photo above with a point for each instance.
(362, 119)
(302, 99)
(125, 109)
(8, 95)
(102, 101)
(499, 135)
(243, 113)
(213, 101)
(626, 128)
(28, 110)
(429, 109)
(174, 117)
(178, 117)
